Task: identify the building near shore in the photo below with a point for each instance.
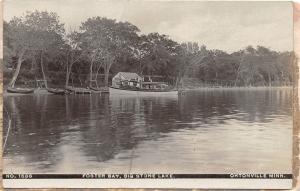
(127, 79)
(133, 80)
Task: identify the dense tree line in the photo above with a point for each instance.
(36, 46)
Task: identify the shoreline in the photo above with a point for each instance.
(45, 92)
(237, 88)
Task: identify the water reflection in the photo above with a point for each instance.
(200, 132)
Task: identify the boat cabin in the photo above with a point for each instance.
(154, 85)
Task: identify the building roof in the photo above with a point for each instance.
(129, 75)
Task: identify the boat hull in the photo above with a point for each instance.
(99, 90)
(78, 90)
(57, 91)
(20, 90)
(123, 92)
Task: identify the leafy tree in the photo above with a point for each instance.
(106, 40)
(37, 41)
(35, 33)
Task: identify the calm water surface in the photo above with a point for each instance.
(201, 132)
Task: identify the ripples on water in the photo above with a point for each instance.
(200, 132)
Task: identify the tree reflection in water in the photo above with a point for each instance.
(52, 133)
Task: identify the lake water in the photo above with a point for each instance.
(215, 131)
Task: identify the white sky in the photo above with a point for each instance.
(228, 26)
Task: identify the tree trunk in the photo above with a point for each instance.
(177, 82)
(80, 81)
(42, 67)
(69, 69)
(269, 77)
(16, 73)
(107, 66)
(68, 72)
(67, 78)
(91, 73)
(141, 70)
(72, 80)
(237, 75)
(106, 74)
(140, 65)
(97, 72)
